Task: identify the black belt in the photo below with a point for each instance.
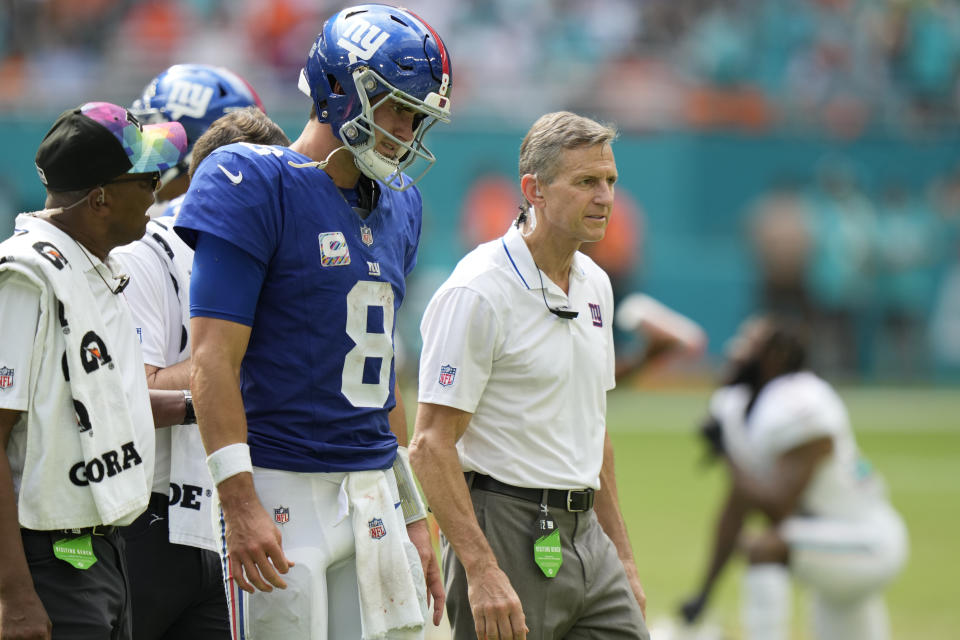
(98, 530)
(573, 500)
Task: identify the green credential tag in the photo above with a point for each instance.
(76, 551)
(548, 554)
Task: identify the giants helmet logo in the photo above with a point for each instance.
(188, 99)
(360, 32)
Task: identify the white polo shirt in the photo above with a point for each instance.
(19, 316)
(535, 383)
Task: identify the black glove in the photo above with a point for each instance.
(691, 608)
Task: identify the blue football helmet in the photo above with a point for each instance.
(194, 95)
(373, 50)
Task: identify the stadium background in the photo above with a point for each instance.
(794, 154)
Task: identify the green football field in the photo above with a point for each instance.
(669, 499)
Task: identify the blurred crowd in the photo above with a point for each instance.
(872, 268)
(875, 273)
(844, 66)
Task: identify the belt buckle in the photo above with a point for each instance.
(569, 507)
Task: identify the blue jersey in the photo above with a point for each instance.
(318, 375)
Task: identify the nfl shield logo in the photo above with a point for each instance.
(447, 374)
(281, 515)
(377, 529)
(366, 235)
(6, 377)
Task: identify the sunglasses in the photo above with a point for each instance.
(154, 179)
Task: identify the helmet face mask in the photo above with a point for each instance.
(368, 54)
(362, 134)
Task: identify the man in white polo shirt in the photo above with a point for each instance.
(517, 359)
(75, 412)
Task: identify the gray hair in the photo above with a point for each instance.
(554, 133)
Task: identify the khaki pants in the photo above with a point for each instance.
(589, 598)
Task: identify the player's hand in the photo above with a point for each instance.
(22, 617)
(253, 540)
(691, 608)
(419, 534)
(496, 607)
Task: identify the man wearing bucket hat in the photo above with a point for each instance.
(75, 413)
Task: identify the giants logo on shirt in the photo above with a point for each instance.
(93, 353)
(51, 253)
(6, 378)
(595, 314)
(107, 465)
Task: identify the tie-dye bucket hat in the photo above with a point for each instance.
(98, 141)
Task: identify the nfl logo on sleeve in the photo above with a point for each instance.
(6, 377)
(281, 515)
(447, 374)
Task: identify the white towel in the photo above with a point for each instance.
(188, 461)
(102, 421)
(392, 604)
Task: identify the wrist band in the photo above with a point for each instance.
(410, 500)
(229, 461)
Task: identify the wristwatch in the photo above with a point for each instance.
(189, 415)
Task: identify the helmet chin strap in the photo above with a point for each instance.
(319, 165)
(375, 165)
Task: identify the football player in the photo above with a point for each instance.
(301, 257)
(792, 457)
